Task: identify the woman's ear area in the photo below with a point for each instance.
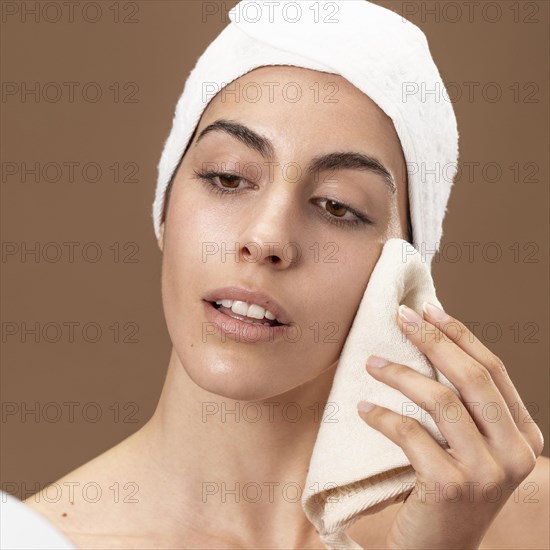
(161, 238)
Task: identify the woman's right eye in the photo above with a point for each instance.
(224, 178)
(220, 182)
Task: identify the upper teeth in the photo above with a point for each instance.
(244, 308)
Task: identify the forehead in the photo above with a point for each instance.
(297, 89)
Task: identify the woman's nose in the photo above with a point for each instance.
(270, 231)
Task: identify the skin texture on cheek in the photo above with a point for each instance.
(395, 226)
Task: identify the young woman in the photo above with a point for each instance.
(223, 240)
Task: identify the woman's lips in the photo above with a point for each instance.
(250, 320)
(240, 293)
(238, 329)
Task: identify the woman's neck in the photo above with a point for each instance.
(236, 468)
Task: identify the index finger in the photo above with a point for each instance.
(468, 342)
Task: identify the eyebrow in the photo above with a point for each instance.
(350, 160)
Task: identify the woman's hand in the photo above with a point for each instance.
(494, 442)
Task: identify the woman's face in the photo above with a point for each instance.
(290, 225)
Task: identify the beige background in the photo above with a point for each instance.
(122, 380)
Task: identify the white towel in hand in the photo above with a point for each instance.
(355, 469)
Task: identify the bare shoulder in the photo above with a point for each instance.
(62, 501)
(85, 501)
(523, 521)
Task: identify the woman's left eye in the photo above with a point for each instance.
(336, 208)
(335, 211)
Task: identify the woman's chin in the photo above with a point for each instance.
(236, 392)
(242, 381)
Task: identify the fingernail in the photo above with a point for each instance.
(434, 312)
(365, 406)
(409, 315)
(375, 361)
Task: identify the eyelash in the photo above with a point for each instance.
(208, 179)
